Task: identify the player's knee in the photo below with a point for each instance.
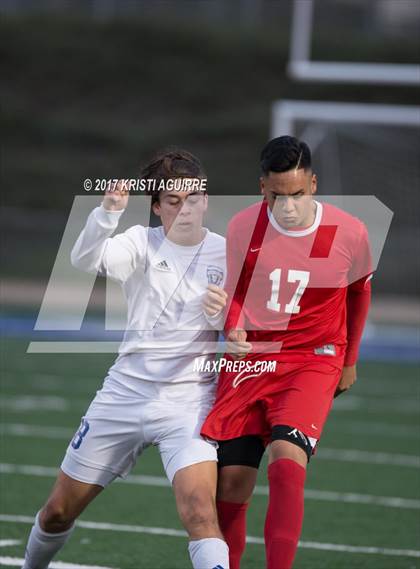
(198, 512)
(56, 516)
(290, 442)
(236, 484)
(239, 460)
(228, 487)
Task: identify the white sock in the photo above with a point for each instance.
(209, 553)
(42, 546)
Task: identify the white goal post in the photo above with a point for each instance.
(301, 67)
(286, 113)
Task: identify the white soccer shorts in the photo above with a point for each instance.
(127, 416)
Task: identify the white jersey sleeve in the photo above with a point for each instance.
(95, 251)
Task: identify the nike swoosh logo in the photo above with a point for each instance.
(255, 250)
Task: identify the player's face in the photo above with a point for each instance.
(289, 196)
(182, 214)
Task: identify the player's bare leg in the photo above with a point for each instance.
(234, 490)
(284, 449)
(283, 524)
(236, 483)
(195, 494)
(54, 523)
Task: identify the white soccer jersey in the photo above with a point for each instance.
(164, 285)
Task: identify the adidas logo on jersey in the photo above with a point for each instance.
(163, 266)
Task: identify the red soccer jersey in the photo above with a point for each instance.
(290, 286)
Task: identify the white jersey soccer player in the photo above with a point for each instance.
(153, 395)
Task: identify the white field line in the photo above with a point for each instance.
(346, 427)
(397, 431)
(380, 389)
(334, 454)
(391, 406)
(18, 562)
(250, 539)
(369, 457)
(37, 431)
(161, 481)
(353, 498)
(374, 385)
(9, 542)
(56, 384)
(26, 403)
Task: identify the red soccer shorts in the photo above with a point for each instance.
(299, 395)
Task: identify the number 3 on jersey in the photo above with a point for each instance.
(80, 434)
(293, 276)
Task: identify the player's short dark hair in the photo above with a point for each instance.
(285, 153)
(169, 164)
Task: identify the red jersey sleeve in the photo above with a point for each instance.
(358, 297)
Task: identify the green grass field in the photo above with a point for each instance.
(348, 495)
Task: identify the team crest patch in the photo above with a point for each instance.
(214, 275)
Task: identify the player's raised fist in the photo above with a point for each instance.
(116, 195)
(214, 300)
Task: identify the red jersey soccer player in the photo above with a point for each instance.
(299, 287)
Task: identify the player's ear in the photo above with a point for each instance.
(206, 201)
(262, 186)
(314, 184)
(156, 208)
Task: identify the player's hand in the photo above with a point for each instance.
(116, 196)
(236, 344)
(348, 377)
(214, 300)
